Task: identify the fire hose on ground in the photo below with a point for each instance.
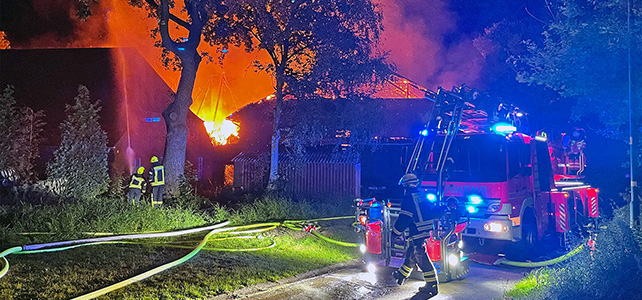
(549, 262)
(127, 239)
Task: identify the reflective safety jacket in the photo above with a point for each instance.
(137, 182)
(417, 214)
(157, 175)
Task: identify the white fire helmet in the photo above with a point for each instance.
(409, 180)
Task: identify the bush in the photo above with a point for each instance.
(81, 161)
(614, 271)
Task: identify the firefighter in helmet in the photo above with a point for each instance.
(416, 215)
(136, 186)
(157, 181)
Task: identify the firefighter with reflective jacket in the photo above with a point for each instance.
(136, 186)
(157, 181)
(416, 215)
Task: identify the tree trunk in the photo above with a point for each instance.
(175, 116)
(276, 132)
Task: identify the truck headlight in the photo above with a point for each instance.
(453, 259)
(495, 227)
(362, 248)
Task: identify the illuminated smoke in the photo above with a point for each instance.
(415, 33)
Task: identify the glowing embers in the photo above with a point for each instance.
(220, 133)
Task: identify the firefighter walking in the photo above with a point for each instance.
(416, 215)
(157, 181)
(136, 186)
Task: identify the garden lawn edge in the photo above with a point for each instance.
(266, 286)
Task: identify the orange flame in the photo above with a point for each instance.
(221, 133)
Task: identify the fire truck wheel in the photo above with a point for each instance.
(529, 235)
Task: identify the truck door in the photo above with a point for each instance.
(542, 183)
(519, 177)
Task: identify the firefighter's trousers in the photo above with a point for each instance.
(157, 195)
(134, 195)
(416, 256)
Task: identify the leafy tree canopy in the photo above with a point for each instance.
(584, 55)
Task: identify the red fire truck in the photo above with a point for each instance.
(496, 181)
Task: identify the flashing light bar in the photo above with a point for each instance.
(150, 120)
(503, 128)
(540, 138)
(575, 187)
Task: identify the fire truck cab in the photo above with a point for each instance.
(510, 190)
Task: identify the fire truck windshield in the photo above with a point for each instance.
(473, 158)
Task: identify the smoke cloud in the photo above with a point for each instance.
(423, 42)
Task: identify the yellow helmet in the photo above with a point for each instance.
(141, 170)
(154, 159)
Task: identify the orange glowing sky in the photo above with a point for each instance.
(414, 33)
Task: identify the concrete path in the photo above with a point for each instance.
(352, 282)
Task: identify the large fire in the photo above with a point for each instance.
(222, 132)
(213, 96)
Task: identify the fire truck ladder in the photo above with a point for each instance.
(447, 104)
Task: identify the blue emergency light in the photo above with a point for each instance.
(503, 128)
(150, 120)
(431, 197)
(474, 199)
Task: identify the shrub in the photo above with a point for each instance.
(613, 272)
(81, 161)
(21, 129)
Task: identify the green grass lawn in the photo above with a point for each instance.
(75, 272)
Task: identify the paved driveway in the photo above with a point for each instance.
(483, 282)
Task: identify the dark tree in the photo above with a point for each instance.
(315, 46)
(79, 166)
(21, 129)
(592, 51)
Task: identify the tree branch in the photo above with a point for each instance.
(166, 39)
(172, 17)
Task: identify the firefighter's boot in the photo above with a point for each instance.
(402, 274)
(428, 291)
